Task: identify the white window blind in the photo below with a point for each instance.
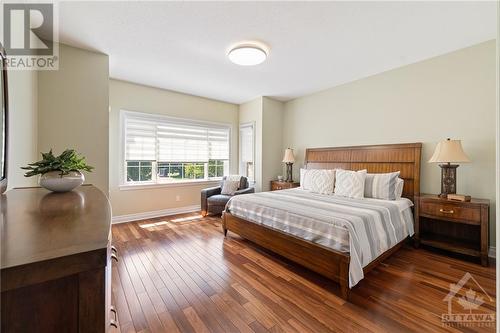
(171, 140)
(140, 140)
(159, 149)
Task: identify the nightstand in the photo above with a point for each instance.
(455, 226)
(277, 185)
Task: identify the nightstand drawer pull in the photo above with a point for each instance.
(451, 211)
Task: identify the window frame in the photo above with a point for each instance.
(122, 167)
(243, 125)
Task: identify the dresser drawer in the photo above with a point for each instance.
(469, 215)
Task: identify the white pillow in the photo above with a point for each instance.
(302, 174)
(399, 188)
(350, 184)
(381, 185)
(318, 180)
(229, 187)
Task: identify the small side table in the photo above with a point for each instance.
(276, 185)
(455, 226)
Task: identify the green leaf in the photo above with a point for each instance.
(67, 161)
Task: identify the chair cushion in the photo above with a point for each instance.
(218, 200)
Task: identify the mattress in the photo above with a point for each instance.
(364, 228)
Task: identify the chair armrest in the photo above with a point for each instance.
(245, 191)
(205, 194)
(208, 192)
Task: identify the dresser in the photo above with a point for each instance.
(455, 226)
(56, 261)
(277, 185)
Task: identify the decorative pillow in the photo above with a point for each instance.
(318, 180)
(399, 188)
(302, 174)
(229, 187)
(238, 178)
(381, 185)
(350, 183)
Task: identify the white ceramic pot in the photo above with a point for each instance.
(53, 181)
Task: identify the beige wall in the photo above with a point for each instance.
(23, 127)
(73, 109)
(251, 112)
(267, 115)
(448, 96)
(272, 146)
(134, 97)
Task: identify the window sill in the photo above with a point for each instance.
(132, 187)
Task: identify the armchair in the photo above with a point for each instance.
(213, 202)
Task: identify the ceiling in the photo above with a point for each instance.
(182, 46)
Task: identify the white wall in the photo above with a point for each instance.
(267, 115)
(134, 97)
(73, 105)
(23, 126)
(448, 96)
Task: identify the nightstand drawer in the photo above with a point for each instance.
(276, 187)
(469, 215)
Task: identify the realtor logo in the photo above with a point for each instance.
(465, 305)
(29, 36)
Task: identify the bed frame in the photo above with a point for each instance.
(325, 261)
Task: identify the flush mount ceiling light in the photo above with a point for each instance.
(248, 54)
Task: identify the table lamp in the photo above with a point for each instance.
(289, 159)
(447, 152)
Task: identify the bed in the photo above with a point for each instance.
(343, 251)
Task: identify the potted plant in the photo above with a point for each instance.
(59, 173)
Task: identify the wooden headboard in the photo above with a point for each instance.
(403, 157)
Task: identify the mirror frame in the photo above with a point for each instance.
(3, 182)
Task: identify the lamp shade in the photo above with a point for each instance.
(449, 151)
(288, 158)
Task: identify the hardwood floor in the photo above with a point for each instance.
(179, 274)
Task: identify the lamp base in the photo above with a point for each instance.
(448, 179)
(289, 172)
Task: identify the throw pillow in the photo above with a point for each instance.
(400, 183)
(350, 184)
(319, 181)
(229, 187)
(381, 185)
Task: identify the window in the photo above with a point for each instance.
(160, 149)
(139, 171)
(247, 164)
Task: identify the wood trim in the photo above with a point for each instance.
(404, 157)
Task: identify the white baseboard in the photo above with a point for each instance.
(154, 213)
(492, 253)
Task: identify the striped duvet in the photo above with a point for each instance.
(365, 228)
